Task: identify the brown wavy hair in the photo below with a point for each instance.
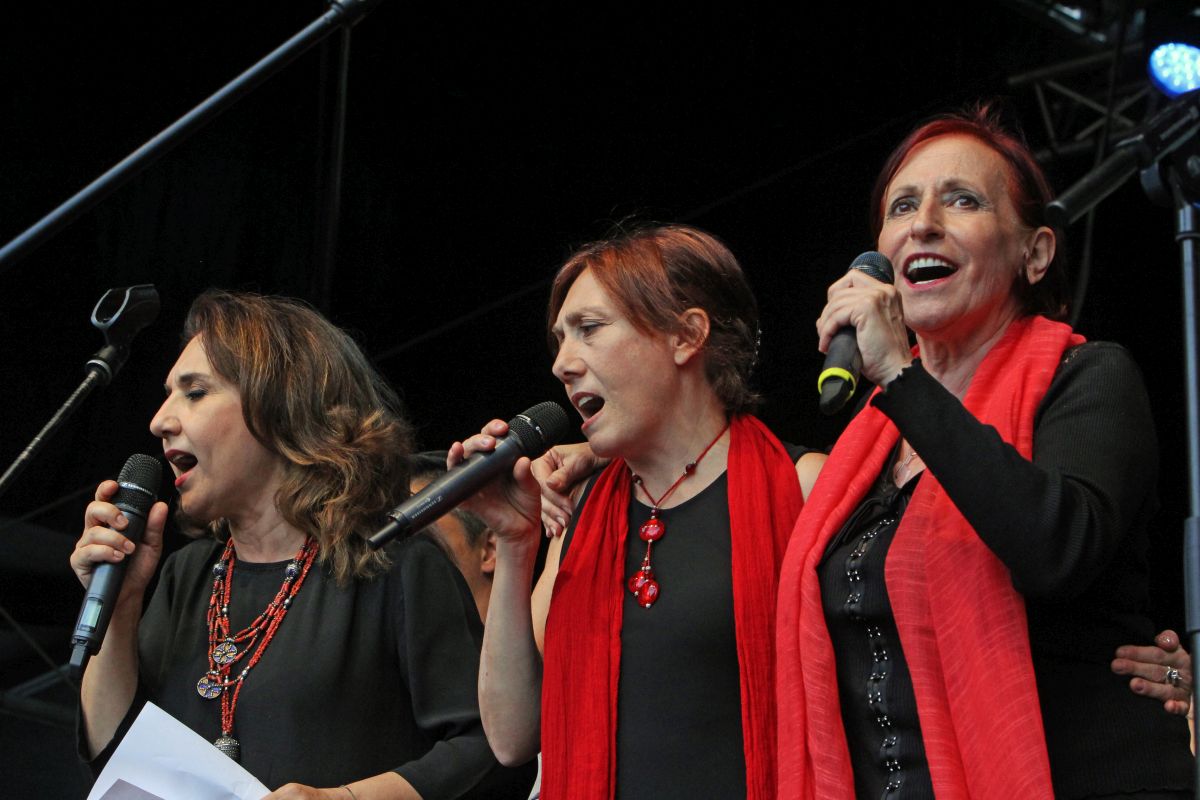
(310, 396)
(656, 273)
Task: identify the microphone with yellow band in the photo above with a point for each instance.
(839, 378)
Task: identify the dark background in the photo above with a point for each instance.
(481, 146)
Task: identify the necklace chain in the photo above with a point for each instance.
(643, 583)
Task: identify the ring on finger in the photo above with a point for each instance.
(1172, 677)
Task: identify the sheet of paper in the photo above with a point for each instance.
(162, 759)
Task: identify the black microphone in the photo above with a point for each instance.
(529, 434)
(843, 363)
(139, 481)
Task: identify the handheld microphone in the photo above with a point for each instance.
(843, 362)
(139, 480)
(529, 434)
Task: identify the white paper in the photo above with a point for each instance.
(160, 758)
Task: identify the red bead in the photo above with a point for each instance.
(648, 593)
(639, 578)
(652, 530)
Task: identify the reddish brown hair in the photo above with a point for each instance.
(309, 395)
(1027, 185)
(655, 274)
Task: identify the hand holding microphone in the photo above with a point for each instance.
(861, 331)
(118, 551)
(476, 464)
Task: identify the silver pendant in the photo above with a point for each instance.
(208, 688)
(225, 652)
(229, 746)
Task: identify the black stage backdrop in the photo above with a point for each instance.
(481, 146)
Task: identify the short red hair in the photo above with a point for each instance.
(656, 273)
(1027, 185)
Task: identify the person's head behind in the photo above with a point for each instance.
(463, 536)
(654, 275)
(1028, 190)
(309, 395)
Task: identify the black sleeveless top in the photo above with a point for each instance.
(679, 718)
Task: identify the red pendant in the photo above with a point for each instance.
(652, 530)
(639, 579)
(647, 593)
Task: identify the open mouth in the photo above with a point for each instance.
(589, 405)
(181, 461)
(926, 269)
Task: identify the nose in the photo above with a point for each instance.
(927, 221)
(164, 423)
(566, 364)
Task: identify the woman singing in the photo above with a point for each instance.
(280, 637)
(657, 605)
(975, 549)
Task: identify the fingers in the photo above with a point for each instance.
(556, 507)
(99, 545)
(1162, 672)
(1168, 640)
(103, 539)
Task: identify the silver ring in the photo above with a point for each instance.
(1172, 677)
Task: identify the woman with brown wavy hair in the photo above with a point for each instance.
(281, 637)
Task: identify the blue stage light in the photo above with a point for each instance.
(1175, 68)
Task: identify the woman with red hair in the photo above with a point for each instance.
(975, 549)
(656, 609)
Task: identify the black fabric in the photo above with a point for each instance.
(379, 675)
(879, 708)
(1073, 527)
(679, 723)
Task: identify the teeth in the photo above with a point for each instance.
(928, 261)
(928, 268)
(591, 404)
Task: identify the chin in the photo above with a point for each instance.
(193, 525)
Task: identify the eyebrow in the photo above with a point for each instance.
(185, 380)
(942, 185)
(572, 319)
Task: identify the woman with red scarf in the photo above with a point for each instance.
(656, 608)
(975, 549)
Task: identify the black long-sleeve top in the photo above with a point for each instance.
(360, 679)
(1072, 526)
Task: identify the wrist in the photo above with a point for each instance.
(892, 372)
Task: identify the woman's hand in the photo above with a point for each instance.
(560, 472)
(510, 507)
(297, 791)
(103, 543)
(1152, 669)
(873, 309)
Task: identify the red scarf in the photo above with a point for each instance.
(962, 624)
(583, 630)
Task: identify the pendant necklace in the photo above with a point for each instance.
(226, 649)
(642, 583)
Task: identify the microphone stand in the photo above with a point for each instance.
(341, 13)
(1167, 152)
(120, 314)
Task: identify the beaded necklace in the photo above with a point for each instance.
(642, 583)
(225, 649)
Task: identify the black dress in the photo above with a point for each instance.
(375, 676)
(1073, 529)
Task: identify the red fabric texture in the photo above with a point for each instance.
(962, 624)
(583, 630)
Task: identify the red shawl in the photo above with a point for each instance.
(962, 624)
(583, 630)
